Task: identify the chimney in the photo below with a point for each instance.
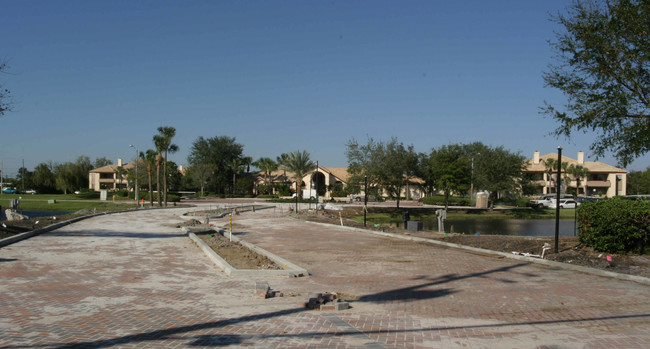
(119, 161)
(536, 158)
(581, 158)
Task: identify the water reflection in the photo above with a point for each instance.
(522, 227)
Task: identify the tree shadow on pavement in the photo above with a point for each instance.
(406, 293)
(415, 292)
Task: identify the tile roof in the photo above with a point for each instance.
(592, 166)
(112, 168)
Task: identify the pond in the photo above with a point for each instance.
(34, 214)
(521, 227)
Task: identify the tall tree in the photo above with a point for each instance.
(82, 167)
(200, 174)
(237, 166)
(164, 145)
(150, 157)
(159, 163)
(299, 164)
(495, 169)
(388, 165)
(120, 173)
(579, 172)
(603, 69)
(550, 167)
(638, 182)
(4, 93)
(65, 177)
(217, 152)
(266, 165)
(101, 162)
(24, 178)
(44, 178)
(450, 170)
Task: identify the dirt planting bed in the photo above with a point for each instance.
(237, 255)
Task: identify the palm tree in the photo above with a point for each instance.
(565, 175)
(237, 165)
(150, 158)
(120, 172)
(299, 164)
(163, 142)
(579, 172)
(550, 166)
(159, 161)
(266, 165)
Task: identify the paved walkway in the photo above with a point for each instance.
(134, 281)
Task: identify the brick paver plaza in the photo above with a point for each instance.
(133, 280)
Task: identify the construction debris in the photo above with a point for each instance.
(262, 290)
(326, 302)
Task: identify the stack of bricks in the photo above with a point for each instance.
(262, 290)
(325, 301)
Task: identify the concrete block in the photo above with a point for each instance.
(414, 225)
(342, 305)
(261, 290)
(328, 307)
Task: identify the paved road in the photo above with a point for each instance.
(134, 281)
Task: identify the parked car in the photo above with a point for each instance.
(566, 203)
(9, 191)
(547, 201)
(28, 191)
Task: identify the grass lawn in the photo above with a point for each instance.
(64, 203)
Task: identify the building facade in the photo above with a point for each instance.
(602, 180)
(106, 177)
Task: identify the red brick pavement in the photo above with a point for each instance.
(133, 281)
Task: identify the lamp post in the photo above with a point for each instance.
(557, 197)
(365, 199)
(137, 196)
(316, 180)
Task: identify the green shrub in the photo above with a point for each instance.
(122, 193)
(616, 225)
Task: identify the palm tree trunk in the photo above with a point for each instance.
(158, 184)
(149, 170)
(165, 179)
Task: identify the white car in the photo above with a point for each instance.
(565, 203)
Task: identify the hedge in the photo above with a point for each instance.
(616, 225)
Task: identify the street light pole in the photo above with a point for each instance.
(558, 185)
(316, 180)
(137, 196)
(365, 199)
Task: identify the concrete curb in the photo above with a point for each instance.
(290, 270)
(28, 234)
(579, 268)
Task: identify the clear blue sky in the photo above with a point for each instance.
(92, 77)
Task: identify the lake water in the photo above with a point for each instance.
(34, 214)
(521, 227)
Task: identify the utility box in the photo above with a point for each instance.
(103, 194)
(482, 199)
(414, 225)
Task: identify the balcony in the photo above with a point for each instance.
(599, 184)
